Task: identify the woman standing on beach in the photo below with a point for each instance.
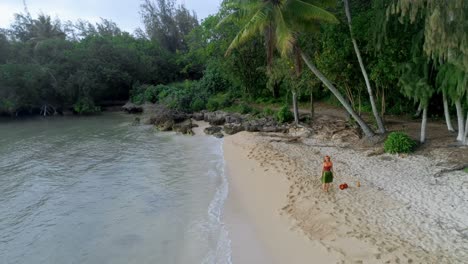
(327, 173)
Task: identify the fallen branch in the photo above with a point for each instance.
(456, 168)
(289, 140)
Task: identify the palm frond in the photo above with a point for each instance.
(321, 3)
(254, 25)
(284, 36)
(240, 10)
(300, 9)
(304, 26)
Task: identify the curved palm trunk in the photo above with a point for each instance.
(377, 116)
(365, 128)
(418, 112)
(312, 110)
(423, 126)
(447, 113)
(465, 138)
(460, 120)
(295, 108)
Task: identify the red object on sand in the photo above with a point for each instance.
(343, 186)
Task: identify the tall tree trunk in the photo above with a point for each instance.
(377, 116)
(276, 88)
(447, 113)
(312, 110)
(295, 108)
(461, 120)
(383, 103)
(365, 128)
(465, 138)
(418, 112)
(423, 126)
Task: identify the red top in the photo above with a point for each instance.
(327, 166)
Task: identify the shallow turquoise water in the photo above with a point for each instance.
(99, 190)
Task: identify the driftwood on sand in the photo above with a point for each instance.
(454, 168)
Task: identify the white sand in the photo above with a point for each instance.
(259, 233)
(401, 214)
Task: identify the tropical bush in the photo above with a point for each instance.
(85, 106)
(267, 112)
(399, 142)
(198, 104)
(245, 109)
(284, 115)
(151, 94)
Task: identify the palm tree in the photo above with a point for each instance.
(377, 116)
(43, 29)
(281, 22)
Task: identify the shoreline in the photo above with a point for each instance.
(259, 234)
(276, 213)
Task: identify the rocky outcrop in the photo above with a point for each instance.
(165, 119)
(235, 123)
(233, 128)
(132, 108)
(217, 118)
(184, 127)
(212, 130)
(234, 118)
(165, 126)
(161, 114)
(218, 135)
(198, 116)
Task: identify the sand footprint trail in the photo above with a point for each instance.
(371, 224)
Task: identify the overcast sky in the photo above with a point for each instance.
(124, 12)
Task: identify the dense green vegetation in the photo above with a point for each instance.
(373, 56)
(399, 142)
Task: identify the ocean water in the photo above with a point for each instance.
(99, 190)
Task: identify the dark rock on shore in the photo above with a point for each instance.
(212, 130)
(161, 114)
(198, 116)
(233, 128)
(165, 126)
(132, 108)
(218, 135)
(217, 118)
(184, 127)
(166, 119)
(234, 118)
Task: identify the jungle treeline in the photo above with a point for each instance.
(398, 57)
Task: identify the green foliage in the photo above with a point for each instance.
(245, 109)
(85, 106)
(268, 112)
(212, 105)
(44, 62)
(284, 115)
(151, 94)
(399, 142)
(214, 81)
(452, 81)
(167, 23)
(198, 104)
(219, 101)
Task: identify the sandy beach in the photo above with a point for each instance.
(404, 212)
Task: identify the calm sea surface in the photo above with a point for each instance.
(99, 190)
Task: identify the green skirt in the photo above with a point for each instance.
(327, 177)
